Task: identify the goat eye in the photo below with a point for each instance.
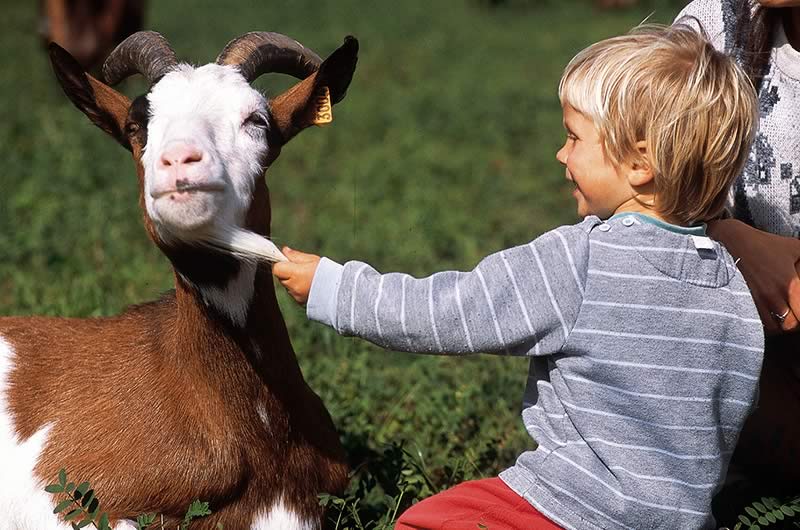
(256, 120)
(132, 128)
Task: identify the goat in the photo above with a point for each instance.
(197, 395)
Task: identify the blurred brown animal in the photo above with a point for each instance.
(89, 29)
(613, 4)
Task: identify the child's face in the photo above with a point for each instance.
(600, 188)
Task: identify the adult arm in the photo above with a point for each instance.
(770, 264)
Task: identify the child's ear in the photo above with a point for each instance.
(640, 172)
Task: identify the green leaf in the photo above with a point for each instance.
(104, 522)
(198, 509)
(755, 527)
(87, 498)
(62, 477)
(763, 520)
(787, 510)
(93, 507)
(54, 488)
(145, 520)
(771, 518)
(770, 502)
(751, 512)
(73, 514)
(778, 514)
(86, 522)
(760, 507)
(737, 526)
(70, 487)
(63, 505)
(745, 520)
(80, 490)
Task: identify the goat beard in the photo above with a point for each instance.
(238, 242)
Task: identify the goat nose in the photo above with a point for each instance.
(178, 154)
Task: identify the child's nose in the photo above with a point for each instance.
(562, 155)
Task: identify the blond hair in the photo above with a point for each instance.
(692, 106)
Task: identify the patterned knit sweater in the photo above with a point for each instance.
(645, 350)
(767, 194)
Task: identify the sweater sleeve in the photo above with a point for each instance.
(520, 301)
(712, 17)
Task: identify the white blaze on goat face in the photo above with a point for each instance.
(206, 143)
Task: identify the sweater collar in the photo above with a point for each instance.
(697, 230)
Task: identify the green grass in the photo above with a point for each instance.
(442, 152)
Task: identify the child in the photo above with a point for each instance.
(645, 343)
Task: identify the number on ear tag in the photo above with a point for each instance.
(323, 109)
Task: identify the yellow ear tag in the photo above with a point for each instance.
(323, 109)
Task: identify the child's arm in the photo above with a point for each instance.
(521, 301)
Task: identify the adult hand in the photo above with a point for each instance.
(297, 274)
(770, 265)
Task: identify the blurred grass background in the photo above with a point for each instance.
(442, 152)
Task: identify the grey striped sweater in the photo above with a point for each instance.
(645, 350)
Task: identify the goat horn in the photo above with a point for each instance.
(145, 52)
(261, 52)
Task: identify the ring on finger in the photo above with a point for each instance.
(780, 317)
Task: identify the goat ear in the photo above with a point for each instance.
(309, 101)
(103, 105)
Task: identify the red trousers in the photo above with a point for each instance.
(474, 505)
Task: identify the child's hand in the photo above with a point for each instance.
(296, 274)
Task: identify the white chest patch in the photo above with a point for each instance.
(280, 517)
(24, 504)
(234, 299)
